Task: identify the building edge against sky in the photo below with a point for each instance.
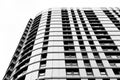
(69, 44)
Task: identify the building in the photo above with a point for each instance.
(69, 44)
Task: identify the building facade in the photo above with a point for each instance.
(69, 44)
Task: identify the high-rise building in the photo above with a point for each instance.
(69, 44)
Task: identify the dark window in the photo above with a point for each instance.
(71, 62)
(42, 72)
(70, 55)
(43, 56)
(116, 71)
(89, 71)
(102, 71)
(72, 71)
(42, 63)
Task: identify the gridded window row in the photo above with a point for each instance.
(87, 63)
(89, 71)
(20, 73)
(106, 42)
(35, 23)
(100, 32)
(112, 55)
(110, 48)
(114, 62)
(49, 17)
(71, 62)
(85, 54)
(113, 18)
(29, 46)
(23, 64)
(98, 27)
(24, 57)
(22, 78)
(91, 79)
(103, 37)
(116, 13)
(30, 39)
(27, 50)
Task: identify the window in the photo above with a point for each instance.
(44, 49)
(72, 71)
(70, 55)
(42, 72)
(81, 43)
(67, 37)
(42, 63)
(103, 37)
(87, 32)
(82, 48)
(45, 43)
(67, 33)
(46, 38)
(69, 48)
(84, 55)
(108, 56)
(89, 37)
(68, 42)
(91, 42)
(89, 71)
(85, 28)
(112, 64)
(79, 37)
(96, 55)
(102, 71)
(93, 48)
(87, 63)
(71, 62)
(67, 29)
(99, 63)
(113, 55)
(23, 64)
(116, 71)
(43, 56)
(110, 48)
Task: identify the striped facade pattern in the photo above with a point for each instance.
(69, 44)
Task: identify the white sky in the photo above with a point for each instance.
(14, 15)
